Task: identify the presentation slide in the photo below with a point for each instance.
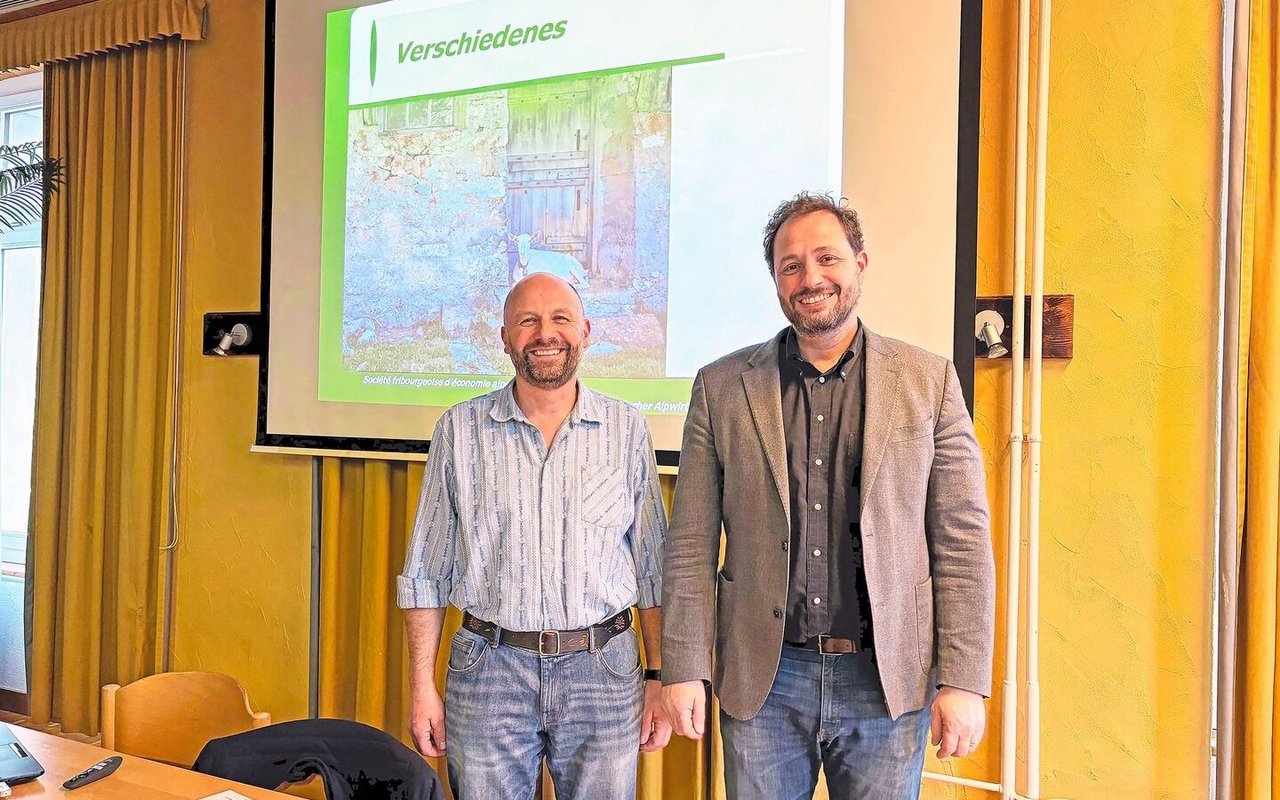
(428, 154)
(468, 145)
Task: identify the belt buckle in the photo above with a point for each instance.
(822, 642)
(542, 643)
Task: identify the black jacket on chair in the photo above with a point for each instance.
(355, 761)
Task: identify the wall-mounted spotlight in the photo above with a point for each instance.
(234, 334)
(238, 336)
(987, 328)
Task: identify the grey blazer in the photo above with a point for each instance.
(925, 528)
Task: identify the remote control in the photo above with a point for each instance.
(100, 770)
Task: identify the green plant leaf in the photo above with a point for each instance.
(27, 179)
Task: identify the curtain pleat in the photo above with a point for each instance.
(1252, 759)
(97, 27)
(104, 393)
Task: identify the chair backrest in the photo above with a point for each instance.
(169, 717)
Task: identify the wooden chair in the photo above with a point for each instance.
(169, 717)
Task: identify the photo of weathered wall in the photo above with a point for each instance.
(450, 200)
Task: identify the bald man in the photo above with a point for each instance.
(542, 520)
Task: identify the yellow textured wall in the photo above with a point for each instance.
(244, 559)
(1127, 512)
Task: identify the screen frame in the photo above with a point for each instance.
(969, 99)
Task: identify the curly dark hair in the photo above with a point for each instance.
(808, 203)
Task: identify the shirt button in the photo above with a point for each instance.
(841, 373)
(819, 418)
(777, 613)
(818, 461)
(817, 553)
(784, 545)
(817, 601)
(822, 380)
(817, 506)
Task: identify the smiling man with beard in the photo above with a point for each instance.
(854, 610)
(540, 518)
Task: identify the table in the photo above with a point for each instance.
(136, 779)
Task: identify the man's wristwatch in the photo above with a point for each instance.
(653, 675)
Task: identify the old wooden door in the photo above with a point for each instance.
(549, 168)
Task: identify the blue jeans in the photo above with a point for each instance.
(826, 711)
(506, 709)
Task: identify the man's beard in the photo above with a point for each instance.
(846, 300)
(547, 375)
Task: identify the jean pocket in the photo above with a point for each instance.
(466, 652)
(620, 656)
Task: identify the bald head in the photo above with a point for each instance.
(544, 330)
(542, 289)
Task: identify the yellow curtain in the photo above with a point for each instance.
(366, 514)
(96, 28)
(1255, 756)
(104, 390)
(367, 509)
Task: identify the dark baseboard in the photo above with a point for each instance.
(17, 702)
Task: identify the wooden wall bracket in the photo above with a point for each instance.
(1059, 325)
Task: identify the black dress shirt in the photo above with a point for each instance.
(822, 423)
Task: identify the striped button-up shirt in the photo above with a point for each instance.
(533, 537)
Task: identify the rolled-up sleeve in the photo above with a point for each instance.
(427, 578)
(649, 526)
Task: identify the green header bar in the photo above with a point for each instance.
(549, 79)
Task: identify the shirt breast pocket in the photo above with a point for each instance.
(604, 497)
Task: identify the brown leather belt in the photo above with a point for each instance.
(827, 645)
(550, 643)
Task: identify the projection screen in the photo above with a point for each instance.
(423, 155)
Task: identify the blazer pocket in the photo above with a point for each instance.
(915, 430)
(924, 623)
(726, 642)
(724, 587)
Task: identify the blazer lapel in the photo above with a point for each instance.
(764, 396)
(880, 401)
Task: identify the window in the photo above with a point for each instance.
(21, 121)
(435, 112)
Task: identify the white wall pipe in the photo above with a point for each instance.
(1006, 788)
(1009, 725)
(1009, 731)
(1034, 438)
(969, 783)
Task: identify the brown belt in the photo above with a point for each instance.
(550, 643)
(827, 645)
